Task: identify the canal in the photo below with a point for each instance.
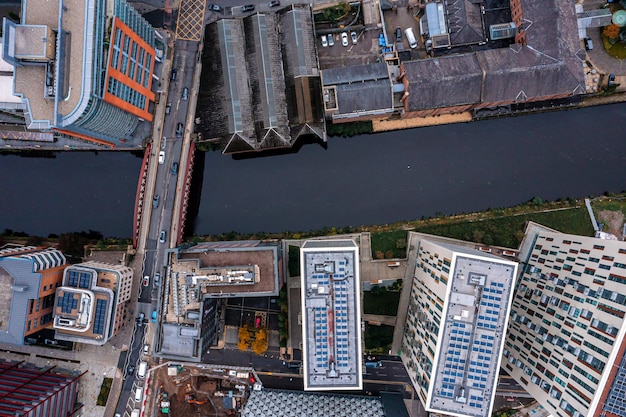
(364, 180)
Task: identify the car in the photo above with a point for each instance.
(398, 34)
(611, 79)
(155, 201)
(179, 130)
(168, 108)
(331, 39)
(274, 3)
(214, 8)
(161, 157)
(154, 317)
(344, 38)
(131, 370)
(174, 72)
(140, 319)
(185, 94)
(257, 322)
(588, 44)
(324, 41)
(353, 36)
(174, 167)
(247, 8)
(146, 347)
(146, 281)
(163, 142)
(157, 279)
(162, 236)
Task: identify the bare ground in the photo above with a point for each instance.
(613, 220)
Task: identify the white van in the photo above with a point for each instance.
(134, 413)
(138, 394)
(410, 37)
(143, 367)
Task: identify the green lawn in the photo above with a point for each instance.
(385, 303)
(611, 205)
(105, 389)
(506, 231)
(294, 261)
(388, 245)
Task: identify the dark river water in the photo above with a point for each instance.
(362, 180)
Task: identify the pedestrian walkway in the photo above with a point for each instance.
(378, 318)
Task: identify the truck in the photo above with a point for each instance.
(143, 367)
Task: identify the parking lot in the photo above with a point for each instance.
(367, 49)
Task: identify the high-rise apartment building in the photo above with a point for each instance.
(331, 315)
(29, 276)
(566, 338)
(83, 68)
(456, 322)
(90, 305)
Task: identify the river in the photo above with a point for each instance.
(363, 180)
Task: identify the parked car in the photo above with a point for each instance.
(185, 94)
(344, 38)
(173, 77)
(398, 34)
(179, 130)
(274, 3)
(155, 201)
(154, 317)
(324, 41)
(215, 8)
(131, 369)
(174, 167)
(168, 108)
(247, 8)
(140, 319)
(157, 279)
(257, 323)
(146, 281)
(331, 39)
(588, 44)
(611, 79)
(354, 37)
(146, 347)
(162, 236)
(161, 157)
(163, 142)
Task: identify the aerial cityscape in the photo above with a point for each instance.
(504, 308)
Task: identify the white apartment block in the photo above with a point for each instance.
(456, 322)
(567, 324)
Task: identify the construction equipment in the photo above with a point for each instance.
(191, 399)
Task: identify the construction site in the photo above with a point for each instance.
(189, 390)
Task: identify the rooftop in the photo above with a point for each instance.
(359, 89)
(469, 352)
(268, 402)
(331, 328)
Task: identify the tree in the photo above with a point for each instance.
(244, 338)
(611, 31)
(260, 342)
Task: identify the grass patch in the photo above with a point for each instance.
(495, 228)
(381, 302)
(508, 231)
(105, 389)
(609, 204)
(378, 339)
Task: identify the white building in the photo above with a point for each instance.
(456, 321)
(566, 339)
(331, 315)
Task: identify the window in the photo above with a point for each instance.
(30, 308)
(35, 323)
(38, 305)
(28, 326)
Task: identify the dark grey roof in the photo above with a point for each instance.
(444, 82)
(249, 96)
(302, 83)
(547, 65)
(360, 88)
(464, 19)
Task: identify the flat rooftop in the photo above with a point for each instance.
(331, 315)
(469, 351)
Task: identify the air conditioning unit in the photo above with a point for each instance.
(502, 31)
